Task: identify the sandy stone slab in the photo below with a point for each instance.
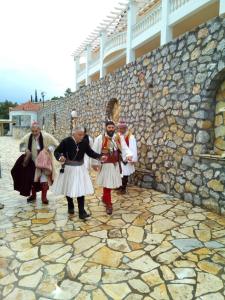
(154, 238)
(135, 234)
(181, 291)
(118, 244)
(117, 290)
(75, 265)
(57, 253)
(152, 278)
(163, 225)
(28, 254)
(51, 238)
(159, 209)
(5, 252)
(54, 269)
(209, 267)
(129, 218)
(160, 293)
(101, 234)
(99, 295)
(8, 279)
(145, 263)
(116, 275)
(30, 267)
(169, 256)
(20, 294)
(21, 245)
(85, 243)
(107, 257)
(92, 275)
(139, 285)
(47, 249)
(208, 283)
(31, 281)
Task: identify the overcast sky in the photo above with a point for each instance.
(37, 38)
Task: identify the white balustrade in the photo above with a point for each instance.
(149, 20)
(175, 4)
(94, 62)
(116, 41)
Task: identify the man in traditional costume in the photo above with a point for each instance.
(112, 146)
(74, 179)
(40, 143)
(127, 167)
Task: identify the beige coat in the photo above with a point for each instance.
(48, 140)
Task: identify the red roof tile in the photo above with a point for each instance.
(28, 106)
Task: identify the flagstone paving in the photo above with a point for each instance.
(154, 246)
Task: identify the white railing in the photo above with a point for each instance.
(81, 74)
(116, 41)
(175, 4)
(94, 62)
(149, 20)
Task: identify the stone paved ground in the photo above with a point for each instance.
(153, 247)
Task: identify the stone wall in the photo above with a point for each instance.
(168, 99)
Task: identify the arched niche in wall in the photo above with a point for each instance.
(219, 125)
(215, 92)
(113, 110)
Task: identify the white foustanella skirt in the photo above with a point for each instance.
(74, 182)
(109, 176)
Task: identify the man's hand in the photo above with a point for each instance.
(62, 159)
(103, 158)
(96, 168)
(129, 158)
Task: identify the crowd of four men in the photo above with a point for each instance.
(112, 154)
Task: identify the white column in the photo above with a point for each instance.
(131, 20)
(222, 8)
(88, 58)
(102, 45)
(77, 69)
(166, 31)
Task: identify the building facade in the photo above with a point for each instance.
(22, 116)
(136, 28)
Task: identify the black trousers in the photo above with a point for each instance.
(80, 202)
(124, 182)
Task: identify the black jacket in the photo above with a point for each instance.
(68, 148)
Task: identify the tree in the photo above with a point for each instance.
(4, 108)
(4, 111)
(31, 98)
(36, 98)
(68, 92)
(55, 98)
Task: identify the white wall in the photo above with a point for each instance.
(32, 114)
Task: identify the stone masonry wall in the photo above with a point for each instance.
(168, 98)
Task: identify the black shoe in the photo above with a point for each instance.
(31, 199)
(84, 215)
(71, 211)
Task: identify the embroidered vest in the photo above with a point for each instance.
(108, 144)
(108, 148)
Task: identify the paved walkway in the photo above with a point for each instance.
(152, 247)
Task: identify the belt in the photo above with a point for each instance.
(74, 163)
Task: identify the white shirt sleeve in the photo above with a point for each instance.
(97, 147)
(133, 148)
(125, 150)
